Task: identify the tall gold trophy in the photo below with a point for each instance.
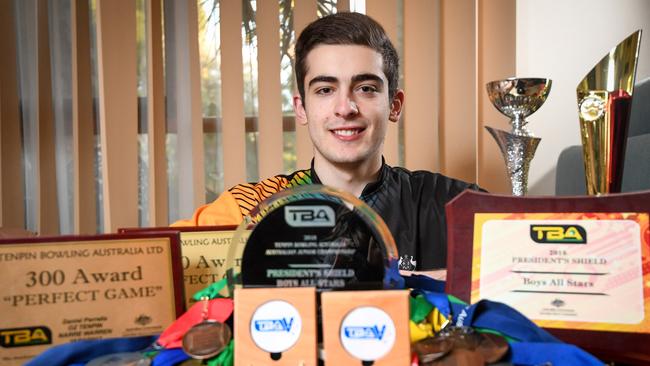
(604, 101)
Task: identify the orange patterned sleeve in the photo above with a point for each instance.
(222, 211)
(231, 206)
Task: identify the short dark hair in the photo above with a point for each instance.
(347, 28)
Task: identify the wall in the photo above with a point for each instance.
(563, 40)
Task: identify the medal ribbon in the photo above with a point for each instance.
(504, 319)
(430, 313)
(225, 357)
(529, 344)
(212, 291)
(216, 308)
(219, 309)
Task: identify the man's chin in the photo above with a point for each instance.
(346, 160)
(338, 155)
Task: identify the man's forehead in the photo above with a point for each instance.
(343, 62)
(357, 78)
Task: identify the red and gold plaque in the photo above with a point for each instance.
(64, 289)
(577, 266)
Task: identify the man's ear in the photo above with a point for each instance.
(396, 106)
(299, 109)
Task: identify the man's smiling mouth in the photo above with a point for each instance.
(347, 132)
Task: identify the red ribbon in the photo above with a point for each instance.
(218, 309)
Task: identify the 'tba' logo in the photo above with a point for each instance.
(28, 336)
(558, 234)
(310, 216)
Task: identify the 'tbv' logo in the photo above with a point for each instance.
(362, 332)
(564, 234)
(298, 216)
(273, 325)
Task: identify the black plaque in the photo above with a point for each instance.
(317, 237)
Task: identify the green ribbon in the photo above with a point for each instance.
(212, 291)
(492, 331)
(420, 308)
(225, 358)
(455, 300)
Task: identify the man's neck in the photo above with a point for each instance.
(351, 178)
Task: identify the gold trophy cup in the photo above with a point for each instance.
(604, 101)
(517, 98)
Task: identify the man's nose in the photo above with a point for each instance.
(346, 107)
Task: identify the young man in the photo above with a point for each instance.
(347, 73)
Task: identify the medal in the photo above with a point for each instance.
(431, 349)
(492, 347)
(121, 359)
(208, 338)
(462, 337)
(460, 346)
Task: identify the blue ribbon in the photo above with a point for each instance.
(533, 346)
(392, 277)
(501, 317)
(562, 354)
(420, 282)
(170, 357)
(81, 352)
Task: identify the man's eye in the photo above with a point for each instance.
(368, 89)
(324, 90)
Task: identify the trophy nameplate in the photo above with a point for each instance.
(577, 266)
(366, 327)
(62, 289)
(275, 326)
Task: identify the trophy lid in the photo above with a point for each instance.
(313, 236)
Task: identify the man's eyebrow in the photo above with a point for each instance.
(367, 77)
(323, 79)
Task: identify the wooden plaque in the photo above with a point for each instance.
(351, 316)
(63, 289)
(204, 250)
(617, 331)
(286, 315)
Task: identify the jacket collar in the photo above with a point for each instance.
(369, 189)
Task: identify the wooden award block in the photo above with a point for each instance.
(275, 326)
(366, 327)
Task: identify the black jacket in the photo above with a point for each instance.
(413, 206)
